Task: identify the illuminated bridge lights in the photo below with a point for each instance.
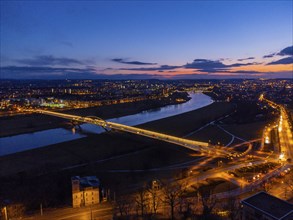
(203, 147)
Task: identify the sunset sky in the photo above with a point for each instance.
(146, 39)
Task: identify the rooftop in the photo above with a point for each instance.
(87, 181)
(270, 205)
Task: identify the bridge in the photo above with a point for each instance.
(202, 147)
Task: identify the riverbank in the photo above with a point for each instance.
(28, 123)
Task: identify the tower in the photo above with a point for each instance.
(77, 197)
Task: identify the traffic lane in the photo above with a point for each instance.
(102, 210)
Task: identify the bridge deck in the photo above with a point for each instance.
(202, 147)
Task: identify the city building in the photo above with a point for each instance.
(263, 206)
(85, 191)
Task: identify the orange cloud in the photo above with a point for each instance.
(265, 68)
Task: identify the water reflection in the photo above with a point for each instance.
(17, 143)
(198, 100)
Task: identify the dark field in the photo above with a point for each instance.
(218, 135)
(183, 124)
(248, 131)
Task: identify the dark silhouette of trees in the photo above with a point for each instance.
(208, 201)
(150, 201)
(141, 201)
(233, 206)
(172, 193)
(154, 199)
(123, 206)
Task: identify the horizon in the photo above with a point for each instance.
(125, 78)
(146, 40)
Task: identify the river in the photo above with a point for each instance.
(23, 142)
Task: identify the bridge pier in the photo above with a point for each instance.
(76, 125)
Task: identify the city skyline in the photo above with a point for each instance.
(138, 40)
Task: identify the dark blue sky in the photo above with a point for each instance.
(89, 38)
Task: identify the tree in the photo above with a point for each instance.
(124, 205)
(289, 183)
(141, 201)
(267, 186)
(208, 201)
(233, 207)
(154, 199)
(172, 194)
(187, 207)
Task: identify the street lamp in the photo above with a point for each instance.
(91, 212)
(5, 212)
(282, 155)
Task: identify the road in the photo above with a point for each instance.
(216, 172)
(286, 140)
(285, 134)
(283, 188)
(202, 147)
(96, 212)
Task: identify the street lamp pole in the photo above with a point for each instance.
(91, 213)
(41, 209)
(5, 213)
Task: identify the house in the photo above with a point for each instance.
(263, 206)
(85, 191)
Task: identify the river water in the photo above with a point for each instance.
(23, 142)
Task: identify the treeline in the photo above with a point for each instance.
(171, 200)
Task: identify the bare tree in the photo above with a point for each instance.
(124, 205)
(208, 201)
(154, 199)
(233, 208)
(267, 186)
(141, 200)
(186, 207)
(172, 194)
(289, 184)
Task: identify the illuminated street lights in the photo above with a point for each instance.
(267, 140)
(282, 156)
(5, 212)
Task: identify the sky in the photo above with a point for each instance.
(146, 39)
